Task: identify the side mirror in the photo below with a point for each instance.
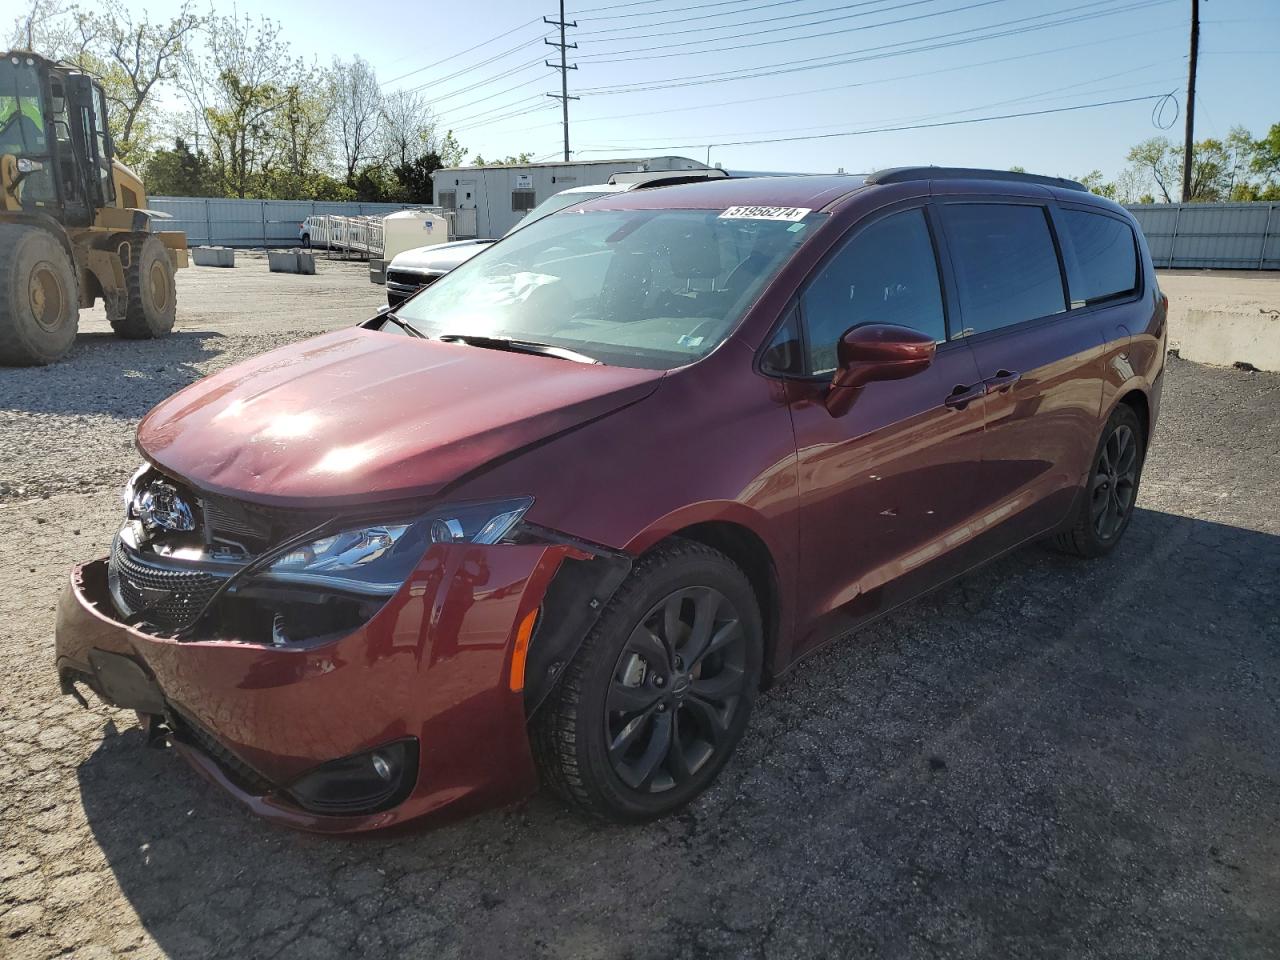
(876, 351)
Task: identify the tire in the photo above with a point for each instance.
(150, 302)
(39, 299)
(1114, 477)
(611, 692)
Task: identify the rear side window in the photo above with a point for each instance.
(1106, 259)
(1005, 263)
(886, 274)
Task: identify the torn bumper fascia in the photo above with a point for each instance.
(434, 663)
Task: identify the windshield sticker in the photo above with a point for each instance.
(787, 214)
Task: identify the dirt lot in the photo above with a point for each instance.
(1049, 758)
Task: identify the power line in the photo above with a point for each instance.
(798, 66)
(892, 129)
(654, 13)
(511, 71)
(722, 26)
(1051, 94)
(1046, 96)
(867, 82)
(872, 81)
(797, 26)
(464, 53)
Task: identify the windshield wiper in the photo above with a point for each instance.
(408, 328)
(518, 346)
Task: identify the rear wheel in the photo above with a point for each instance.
(1105, 506)
(150, 300)
(657, 698)
(39, 302)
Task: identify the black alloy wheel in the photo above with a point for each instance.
(675, 687)
(1105, 505)
(1114, 484)
(651, 707)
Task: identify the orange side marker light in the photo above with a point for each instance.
(521, 652)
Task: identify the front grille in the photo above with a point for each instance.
(166, 599)
(415, 280)
(251, 526)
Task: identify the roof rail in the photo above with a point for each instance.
(904, 174)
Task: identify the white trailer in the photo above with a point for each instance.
(487, 201)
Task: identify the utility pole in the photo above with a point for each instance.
(1188, 143)
(564, 68)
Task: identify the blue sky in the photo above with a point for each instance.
(1115, 49)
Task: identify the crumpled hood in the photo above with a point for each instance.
(440, 258)
(365, 415)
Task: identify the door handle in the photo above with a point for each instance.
(1001, 382)
(962, 395)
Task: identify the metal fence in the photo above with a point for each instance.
(1226, 236)
(256, 223)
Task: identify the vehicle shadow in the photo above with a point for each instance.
(106, 375)
(1047, 753)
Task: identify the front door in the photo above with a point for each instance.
(887, 486)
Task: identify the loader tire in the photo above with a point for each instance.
(150, 299)
(39, 301)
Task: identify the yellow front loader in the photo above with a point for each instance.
(74, 224)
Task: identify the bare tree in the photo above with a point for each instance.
(408, 127)
(133, 58)
(44, 28)
(357, 112)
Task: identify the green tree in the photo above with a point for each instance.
(512, 160)
(1265, 158)
(1156, 160)
(238, 88)
(181, 172)
(1095, 182)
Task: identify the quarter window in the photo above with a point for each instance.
(1005, 262)
(886, 274)
(1106, 261)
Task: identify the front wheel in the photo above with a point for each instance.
(1105, 505)
(149, 302)
(659, 694)
(39, 300)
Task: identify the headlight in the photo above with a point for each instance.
(377, 558)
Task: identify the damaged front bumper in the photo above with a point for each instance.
(422, 692)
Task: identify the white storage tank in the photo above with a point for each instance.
(408, 229)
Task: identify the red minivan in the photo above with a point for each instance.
(564, 513)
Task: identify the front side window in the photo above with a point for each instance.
(1106, 259)
(1005, 262)
(640, 288)
(886, 274)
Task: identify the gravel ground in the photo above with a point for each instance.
(1047, 758)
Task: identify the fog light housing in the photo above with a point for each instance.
(361, 783)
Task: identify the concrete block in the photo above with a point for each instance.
(1227, 337)
(377, 271)
(291, 261)
(213, 256)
